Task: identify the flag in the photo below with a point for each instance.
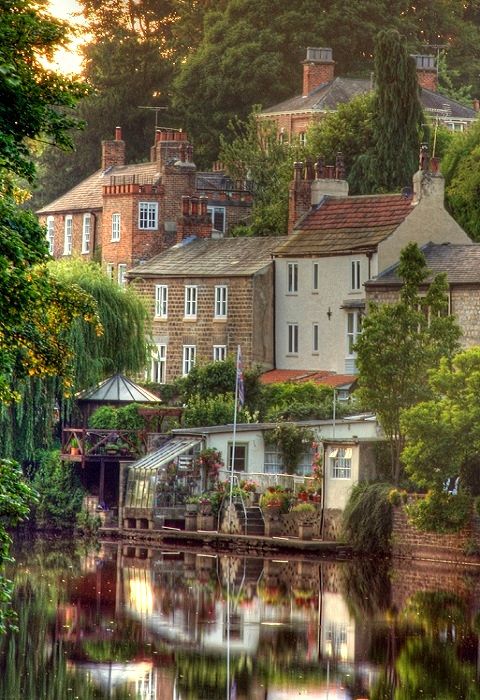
(240, 386)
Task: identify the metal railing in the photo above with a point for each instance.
(294, 482)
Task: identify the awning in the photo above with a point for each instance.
(171, 449)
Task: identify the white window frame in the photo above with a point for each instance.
(292, 338)
(161, 301)
(50, 223)
(158, 369)
(302, 138)
(110, 270)
(148, 216)
(219, 353)
(353, 331)
(68, 235)
(189, 355)
(214, 211)
(243, 459)
(191, 299)
(315, 276)
(355, 276)
(121, 271)
(116, 226)
(221, 301)
(86, 227)
(292, 278)
(341, 463)
(315, 337)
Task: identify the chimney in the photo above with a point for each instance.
(113, 152)
(476, 105)
(329, 180)
(427, 74)
(318, 68)
(428, 182)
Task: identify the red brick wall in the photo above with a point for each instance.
(299, 201)
(428, 79)
(315, 74)
(77, 220)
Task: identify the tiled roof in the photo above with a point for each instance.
(328, 96)
(304, 375)
(223, 257)
(339, 225)
(88, 193)
(460, 262)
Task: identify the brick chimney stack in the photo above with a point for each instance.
(113, 152)
(170, 145)
(318, 68)
(427, 73)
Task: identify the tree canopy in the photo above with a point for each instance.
(400, 343)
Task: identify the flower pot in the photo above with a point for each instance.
(191, 507)
(74, 450)
(305, 531)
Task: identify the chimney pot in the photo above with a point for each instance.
(203, 205)
(194, 206)
(185, 205)
(118, 133)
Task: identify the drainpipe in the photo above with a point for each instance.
(324, 486)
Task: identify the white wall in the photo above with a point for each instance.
(337, 491)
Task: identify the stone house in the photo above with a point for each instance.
(124, 214)
(338, 243)
(323, 92)
(461, 263)
(206, 297)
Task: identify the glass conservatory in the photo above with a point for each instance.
(158, 485)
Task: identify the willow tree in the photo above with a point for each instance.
(118, 343)
(397, 120)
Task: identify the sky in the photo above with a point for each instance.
(67, 61)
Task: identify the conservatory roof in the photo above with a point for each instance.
(118, 389)
(171, 449)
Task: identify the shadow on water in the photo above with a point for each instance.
(117, 621)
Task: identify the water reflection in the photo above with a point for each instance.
(123, 622)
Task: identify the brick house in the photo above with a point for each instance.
(461, 263)
(323, 92)
(337, 244)
(125, 214)
(206, 297)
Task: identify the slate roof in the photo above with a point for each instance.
(118, 389)
(340, 225)
(223, 257)
(88, 193)
(460, 262)
(328, 96)
(308, 375)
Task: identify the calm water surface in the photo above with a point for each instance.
(118, 622)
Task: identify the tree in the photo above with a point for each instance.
(397, 120)
(399, 344)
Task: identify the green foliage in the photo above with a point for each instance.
(276, 496)
(285, 401)
(212, 410)
(104, 418)
(366, 587)
(440, 512)
(399, 344)
(367, 518)
(59, 492)
(460, 167)
(396, 122)
(87, 524)
(292, 441)
(208, 380)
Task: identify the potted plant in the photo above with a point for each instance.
(191, 504)
(74, 446)
(250, 489)
(305, 512)
(274, 500)
(111, 448)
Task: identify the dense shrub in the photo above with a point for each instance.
(60, 494)
(440, 512)
(367, 518)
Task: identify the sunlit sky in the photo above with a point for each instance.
(67, 61)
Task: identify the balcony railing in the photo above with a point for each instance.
(79, 444)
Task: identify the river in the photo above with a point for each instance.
(116, 621)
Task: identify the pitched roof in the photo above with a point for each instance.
(308, 375)
(339, 225)
(88, 193)
(223, 257)
(460, 262)
(118, 389)
(329, 96)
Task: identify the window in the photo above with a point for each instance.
(86, 233)
(315, 277)
(190, 301)
(221, 302)
(355, 275)
(354, 328)
(121, 270)
(161, 300)
(115, 227)
(241, 454)
(109, 270)
(341, 463)
(148, 215)
(189, 353)
(292, 278)
(315, 337)
(219, 353)
(272, 461)
(158, 371)
(67, 240)
(292, 338)
(50, 233)
(302, 138)
(218, 218)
